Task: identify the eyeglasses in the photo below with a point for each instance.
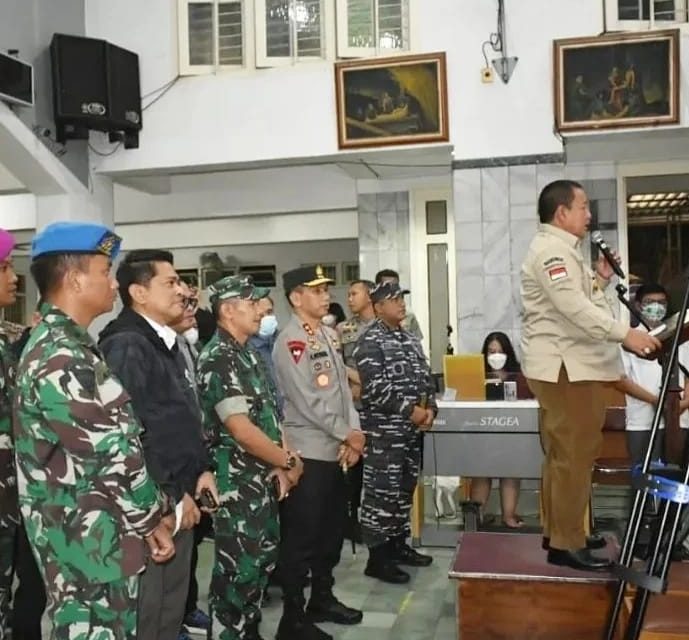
(191, 303)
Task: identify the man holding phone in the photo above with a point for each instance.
(254, 471)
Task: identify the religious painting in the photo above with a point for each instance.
(617, 80)
(389, 101)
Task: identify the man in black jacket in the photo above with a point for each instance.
(141, 348)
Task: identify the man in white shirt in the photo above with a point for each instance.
(643, 378)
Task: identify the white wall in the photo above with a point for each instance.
(29, 25)
(240, 193)
(258, 115)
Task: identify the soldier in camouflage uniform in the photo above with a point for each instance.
(349, 332)
(9, 512)
(240, 411)
(88, 504)
(398, 399)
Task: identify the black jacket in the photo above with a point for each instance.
(163, 398)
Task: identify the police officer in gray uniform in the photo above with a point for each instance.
(398, 400)
(349, 332)
(323, 425)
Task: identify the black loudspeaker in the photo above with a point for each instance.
(95, 86)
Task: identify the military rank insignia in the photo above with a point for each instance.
(296, 349)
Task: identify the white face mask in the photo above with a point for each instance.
(268, 326)
(496, 360)
(329, 320)
(192, 336)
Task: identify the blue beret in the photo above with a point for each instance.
(76, 237)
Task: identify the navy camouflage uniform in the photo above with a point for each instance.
(349, 333)
(395, 377)
(233, 380)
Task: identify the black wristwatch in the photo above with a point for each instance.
(291, 461)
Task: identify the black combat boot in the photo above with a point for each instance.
(251, 631)
(402, 553)
(380, 565)
(325, 607)
(294, 624)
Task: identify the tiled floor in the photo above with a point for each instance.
(425, 608)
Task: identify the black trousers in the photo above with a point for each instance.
(312, 527)
(29, 598)
(355, 483)
(201, 530)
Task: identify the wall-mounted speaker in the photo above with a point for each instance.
(95, 86)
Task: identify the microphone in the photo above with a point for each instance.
(597, 239)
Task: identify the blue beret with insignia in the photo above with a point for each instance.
(75, 237)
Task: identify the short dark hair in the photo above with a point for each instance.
(367, 283)
(648, 289)
(511, 364)
(206, 323)
(49, 270)
(386, 273)
(139, 267)
(559, 192)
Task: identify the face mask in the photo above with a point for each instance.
(329, 320)
(654, 311)
(192, 336)
(268, 326)
(496, 361)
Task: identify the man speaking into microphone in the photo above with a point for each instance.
(570, 349)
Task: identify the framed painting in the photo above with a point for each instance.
(617, 80)
(388, 101)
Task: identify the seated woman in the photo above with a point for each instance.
(501, 362)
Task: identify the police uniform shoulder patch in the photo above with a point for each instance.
(296, 349)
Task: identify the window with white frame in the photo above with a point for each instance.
(212, 34)
(289, 31)
(645, 14)
(372, 27)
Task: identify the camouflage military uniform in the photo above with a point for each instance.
(84, 492)
(232, 379)
(395, 377)
(9, 512)
(349, 333)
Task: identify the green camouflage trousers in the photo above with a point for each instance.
(247, 533)
(8, 532)
(95, 611)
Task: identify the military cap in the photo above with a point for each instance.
(7, 243)
(387, 291)
(76, 237)
(235, 287)
(305, 277)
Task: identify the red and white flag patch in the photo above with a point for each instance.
(296, 348)
(557, 273)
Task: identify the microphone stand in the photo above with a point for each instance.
(673, 494)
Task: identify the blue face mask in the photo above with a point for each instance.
(268, 326)
(654, 311)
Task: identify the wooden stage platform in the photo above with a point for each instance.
(506, 589)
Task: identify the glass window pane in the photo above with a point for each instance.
(230, 40)
(360, 23)
(277, 29)
(200, 16)
(393, 24)
(307, 16)
(436, 217)
(641, 9)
